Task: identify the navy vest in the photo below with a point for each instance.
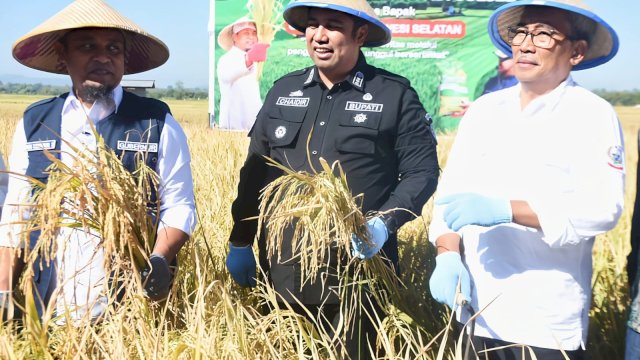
(138, 121)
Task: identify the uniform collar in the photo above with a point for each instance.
(356, 78)
(549, 100)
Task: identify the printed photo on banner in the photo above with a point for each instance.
(442, 47)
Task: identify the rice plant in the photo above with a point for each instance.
(267, 14)
(208, 317)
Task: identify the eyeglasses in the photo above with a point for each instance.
(540, 38)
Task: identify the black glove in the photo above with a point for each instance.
(6, 305)
(157, 280)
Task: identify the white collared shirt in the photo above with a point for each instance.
(564, 155)
(80, 259)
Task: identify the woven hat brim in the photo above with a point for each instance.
(225, 37)
(36, 49)
(296, 15)
(603, 45)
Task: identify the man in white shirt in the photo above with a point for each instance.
(237, 75)
(95, 48)
(536, 172)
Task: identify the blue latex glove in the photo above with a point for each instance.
(474, 209)
(378, 235)
(157, 280)
(242, 265)
(444, 280)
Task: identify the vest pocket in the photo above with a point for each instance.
(38, 163)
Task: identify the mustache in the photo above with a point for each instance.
(100, 67)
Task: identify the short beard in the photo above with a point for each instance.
(92, 93)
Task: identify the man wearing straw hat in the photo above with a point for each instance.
(536, 172)
(237, 69)
(342, 109)
(95, 45)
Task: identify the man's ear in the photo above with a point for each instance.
(580, 48)
(60, 51)
(362, 33)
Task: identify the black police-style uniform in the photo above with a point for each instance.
(372, 122)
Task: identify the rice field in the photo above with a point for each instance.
(208, 317)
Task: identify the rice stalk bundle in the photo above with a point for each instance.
(317, 212)
(100, 197)
(267, 16)
(321, 211)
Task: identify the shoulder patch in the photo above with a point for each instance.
(616, 157)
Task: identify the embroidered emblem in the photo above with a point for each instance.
(310, 78)
(41, 145)
(360, 107)
(296, 93)
(292, 101)
(358, 78)
(616, 157)
(137, 146)
(360, 118)
(367, 97)
(280, 132)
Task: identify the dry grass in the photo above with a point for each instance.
(208, 317)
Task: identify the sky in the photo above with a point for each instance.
(182, 25)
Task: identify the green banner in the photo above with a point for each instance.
(442, 47)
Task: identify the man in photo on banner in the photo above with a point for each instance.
(237, 73)
(505, 77)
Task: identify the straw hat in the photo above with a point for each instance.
(296, 13)
(36, 49)
(225, 37)
(603, 42)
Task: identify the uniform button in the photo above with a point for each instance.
(329, 97)
(314, 152)
(322, 123)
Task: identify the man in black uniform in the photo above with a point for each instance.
(340, 109)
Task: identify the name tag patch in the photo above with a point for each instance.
(363, 107)
(293, 102)
(41, 145)
(138, 146)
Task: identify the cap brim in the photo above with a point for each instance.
(296, 15)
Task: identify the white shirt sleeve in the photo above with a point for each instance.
(16, 204)
(177, 204)
(597, 200)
